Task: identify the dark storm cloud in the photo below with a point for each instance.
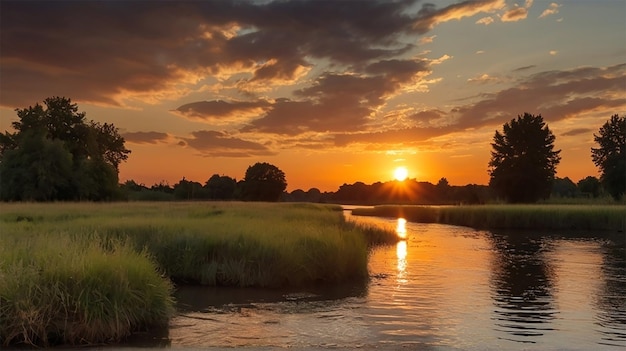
(145, 137)
(110, 51)
(556, 95)
(213, 143)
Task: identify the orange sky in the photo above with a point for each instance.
(330, 92)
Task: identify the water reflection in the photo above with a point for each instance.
(442, 288)
(401, 228)
(401, 252)
(522, 283)
(611, 316)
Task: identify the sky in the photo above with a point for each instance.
(330, 92)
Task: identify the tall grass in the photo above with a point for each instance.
(543, 216)
(91, 273)
(63, 290)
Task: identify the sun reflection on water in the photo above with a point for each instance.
(401, 252)
(401, 228)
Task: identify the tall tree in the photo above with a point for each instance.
(523, 160)
(94, 152)
(263, 182)
(610, 156)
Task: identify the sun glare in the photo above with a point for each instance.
(400, 173)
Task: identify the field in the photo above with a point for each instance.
(533, 217)
(85, 273)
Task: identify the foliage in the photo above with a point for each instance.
(527, 216)
(59, 288)
(55, 154)
(564, 187)
(523, 161)
(221, 187)
(409, 191)
(89, 273)
(263, 182)
(188, 190)
(610, 156)
(589, 185)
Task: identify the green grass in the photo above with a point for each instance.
(84, 273)
(540, 217)
(68, 290)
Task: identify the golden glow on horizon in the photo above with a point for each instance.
(400, 174)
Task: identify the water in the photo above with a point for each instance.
(443, 288)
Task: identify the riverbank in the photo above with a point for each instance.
(526, 217)
(85, 273)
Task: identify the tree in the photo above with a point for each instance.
(610, 156)
(523, 160)
(39, 169)
(93, 150)
(220, 187)
(564, 187)
(589, 185)
(187, 190)
(263, 182)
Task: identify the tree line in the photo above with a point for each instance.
(56, 154)
(262, 182)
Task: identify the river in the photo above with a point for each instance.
(442, 288)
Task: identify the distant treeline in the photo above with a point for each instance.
(409, 191)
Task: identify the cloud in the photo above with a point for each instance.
(553, 52)
(341, 102)
(145, 137)
(427, 40)
(552, 9)
(219, 144)
(429, 16)
(524, 68)
(556, 95)
(485, 20)
(229, 111)
(578, 131)
(517, 13)
(124, 52)
(483, 79)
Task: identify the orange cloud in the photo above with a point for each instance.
(552, 9)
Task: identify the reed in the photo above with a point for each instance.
(535, 217)
(59, 290)
(92, 273)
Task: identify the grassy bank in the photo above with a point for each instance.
(536, 217)
(92, 273)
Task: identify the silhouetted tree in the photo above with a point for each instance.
(220, 187)
(610, 156)
(61, 133)
(188, 190)
(263, 182)
(564, 187)
(523, 161)
(163, 187)
(590, 185)
(443, 189)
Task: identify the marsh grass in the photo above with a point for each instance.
(92, 273)
(541, 217)
(61, 290)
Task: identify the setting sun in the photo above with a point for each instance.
(400, 173)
